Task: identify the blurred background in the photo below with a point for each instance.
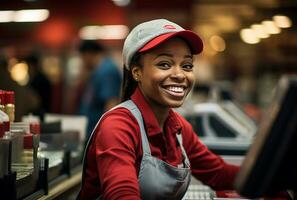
(249, 44)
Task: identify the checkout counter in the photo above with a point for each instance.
(40, 166)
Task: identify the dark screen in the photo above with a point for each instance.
(271, 165)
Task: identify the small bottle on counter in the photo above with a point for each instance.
(5, 120)
(3, 115)
(9, 105)
(31, 144)
(2, 98)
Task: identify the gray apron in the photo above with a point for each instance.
(157, 179)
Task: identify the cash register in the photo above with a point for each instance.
(270, 165)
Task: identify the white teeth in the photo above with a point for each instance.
(176, 89)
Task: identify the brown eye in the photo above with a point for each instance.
(164, 65)
(188, 67)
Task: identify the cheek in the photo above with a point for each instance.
(152, 81)
(191, 78)
(152, 76)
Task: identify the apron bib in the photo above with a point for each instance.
(157, 179)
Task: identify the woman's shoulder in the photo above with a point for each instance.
(117, 124)
(119, 115)
(118, 120)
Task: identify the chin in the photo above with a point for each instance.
(175, 104)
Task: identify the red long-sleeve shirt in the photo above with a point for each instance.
(115, 154)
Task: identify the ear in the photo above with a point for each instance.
(136, 73)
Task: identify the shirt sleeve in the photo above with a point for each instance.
(116, 144)
(206, 166)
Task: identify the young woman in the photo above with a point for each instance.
(142, 149)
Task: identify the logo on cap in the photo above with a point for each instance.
(169, 26)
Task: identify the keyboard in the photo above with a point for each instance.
(199, 192)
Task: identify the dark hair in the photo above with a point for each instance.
(91, 46)
(129, 84)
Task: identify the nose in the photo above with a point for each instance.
(178, 73)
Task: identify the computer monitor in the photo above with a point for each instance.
(270, 164)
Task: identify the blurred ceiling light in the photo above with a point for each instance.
(270, 27)
(249, 36)
(226, 23)
(209, 52)
(88, 32)
(217, 43)
(121, 2)
(106, 32)
(259, 31)
(19, 73)
(6, 16)
(34, 15)
(282, 21)
(206, 30)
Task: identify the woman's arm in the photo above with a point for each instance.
(116, 143)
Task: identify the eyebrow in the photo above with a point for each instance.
(170, 55)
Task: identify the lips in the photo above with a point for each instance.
(177, 91)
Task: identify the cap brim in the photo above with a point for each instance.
(193, 40)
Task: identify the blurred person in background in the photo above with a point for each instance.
(99, 89)
(26, 99)
(39, 83)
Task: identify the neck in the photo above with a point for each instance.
(160, 113)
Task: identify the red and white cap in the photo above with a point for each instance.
(148, 35)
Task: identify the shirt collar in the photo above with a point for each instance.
(151, 123)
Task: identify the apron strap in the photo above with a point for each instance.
(130, 105)
(180, 141)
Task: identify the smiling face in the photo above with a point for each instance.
(166, 76)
